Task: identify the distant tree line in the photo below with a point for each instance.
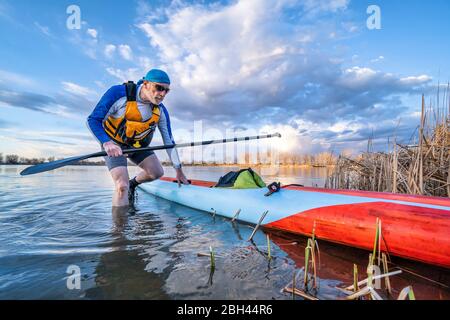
(320, 159)
(15, 159)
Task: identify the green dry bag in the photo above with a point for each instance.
(242, 179)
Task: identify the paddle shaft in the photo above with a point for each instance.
(198, 143)
(47, 166)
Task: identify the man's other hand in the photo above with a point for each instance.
(181, 178)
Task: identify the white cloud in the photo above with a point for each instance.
(353, 28)
(213, 48)
(341, 126)
(380, 58)
(125, 51)
(44, 29)
(77, 89)
(109, 50)
(86, 41)
(146, 63)
(91, 52)
(13, 78)
(100, 84)
(317, 6)
(126, 75)
(357, 76)
(92, 32)
(416, 80)
(40, 143)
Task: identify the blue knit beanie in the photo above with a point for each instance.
(156, 75)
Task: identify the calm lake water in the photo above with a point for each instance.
(61, 219)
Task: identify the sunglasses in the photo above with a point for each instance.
(161, 88)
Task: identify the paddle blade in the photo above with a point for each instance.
(47, 166)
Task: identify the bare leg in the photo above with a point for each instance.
(152, 169)
(120, 178)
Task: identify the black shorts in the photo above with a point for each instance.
(121, 161)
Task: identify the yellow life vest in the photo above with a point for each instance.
(129, 129)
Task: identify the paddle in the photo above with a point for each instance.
(47, 166)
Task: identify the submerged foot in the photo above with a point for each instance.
(132, 196)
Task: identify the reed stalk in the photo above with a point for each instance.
(406, 292)
(305, 277)
(370, 271)
(355, 278)
(362, 282)
(318, 252)
(411, 295)
(374, 295)
(364, 291)
(376, 242)
(300, 293)
(211, 254)
(236, 215)
(293, 286)
(386, 270)
(372, 256)
(310, 258)
(379, 242)
(313, 235)
(314, 264)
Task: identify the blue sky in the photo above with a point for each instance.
(310, 69)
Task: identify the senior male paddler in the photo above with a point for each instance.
(126, 117)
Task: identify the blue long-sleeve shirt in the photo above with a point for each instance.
(113, 103)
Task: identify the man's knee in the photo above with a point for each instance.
(155, 173)
(122, 186)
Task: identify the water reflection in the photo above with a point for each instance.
(122, 273)
(120, 219)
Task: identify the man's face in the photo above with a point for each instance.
(154, 92)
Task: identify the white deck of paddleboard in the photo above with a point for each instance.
(253, 203)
